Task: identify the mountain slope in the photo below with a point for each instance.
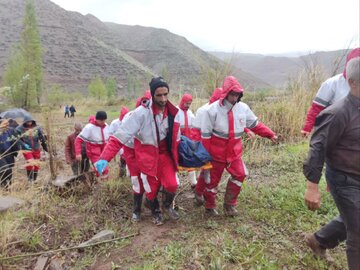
(77, 48)
(276, 70)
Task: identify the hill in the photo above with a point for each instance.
(77, 48)
(276, 70)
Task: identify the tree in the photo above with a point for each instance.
(23, 74)
(55, 96)
(111, 88)
(32, 53)
(97, 88)
(14, 78)
(212, 77)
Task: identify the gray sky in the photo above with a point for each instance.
(253, 26)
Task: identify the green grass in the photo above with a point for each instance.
(266, 234)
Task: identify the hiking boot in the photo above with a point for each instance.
(157, 219)
(199, 199)
(316, 248)
(230, 210)
(168, 199)
(211, 212)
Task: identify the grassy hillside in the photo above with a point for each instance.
(266, 235)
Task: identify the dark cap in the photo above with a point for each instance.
(156, 83)
(101, 115)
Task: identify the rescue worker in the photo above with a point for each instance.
(95, 135)
(156, 129)
(186, 118)
(135, 174)
(221, 130)
(114, 126)
(204, 176)
(330, 91)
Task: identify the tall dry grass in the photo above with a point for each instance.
(285, 111)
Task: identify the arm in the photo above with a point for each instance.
(78, 145)
(43, 140)
(207, 125)
(262, 130)
(313, 111)
(259, 128)
(129, 127)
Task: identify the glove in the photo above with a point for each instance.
(26, 146)
(101, 165)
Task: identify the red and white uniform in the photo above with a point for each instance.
(330, 91)
(221, 132)
(130, 158)
(204, 176)
(156, 145)
(186, 117)
(199, 115)
(95, 138)
(115, 124)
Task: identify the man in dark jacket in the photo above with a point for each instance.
(31, 136)
(78, 167)
(336, 141)
(72, 111)
(9, 148)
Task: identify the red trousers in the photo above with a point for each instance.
(137, 184)
(32, 155)
(238, 173)
(166, 177)
(203, 178)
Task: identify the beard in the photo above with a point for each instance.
(160, 104)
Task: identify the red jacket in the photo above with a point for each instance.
(140, 126)
(186, 116)
(95, 137)
(224, 123)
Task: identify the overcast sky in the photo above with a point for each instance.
(253, 26)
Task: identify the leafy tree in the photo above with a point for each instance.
(56, 96)
(31, 50)
(23, 74)
(14, 78)
(111, 87)
(97, 88)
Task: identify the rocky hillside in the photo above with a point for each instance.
(77, 48)
(276, 70)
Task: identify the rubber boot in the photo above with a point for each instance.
(230, 210)
(35, 174)
(211, 212)
(229, 199)
(122, 170)
(168, 205)
(30, 175)
(155, 210)
(137, 207)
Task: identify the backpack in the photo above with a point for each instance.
(192, 154)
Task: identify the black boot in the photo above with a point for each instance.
(155, 210)
(137, 207)
(122, 171)
(230, 210)
(35, 174)
(30, 175)
(167, 205)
